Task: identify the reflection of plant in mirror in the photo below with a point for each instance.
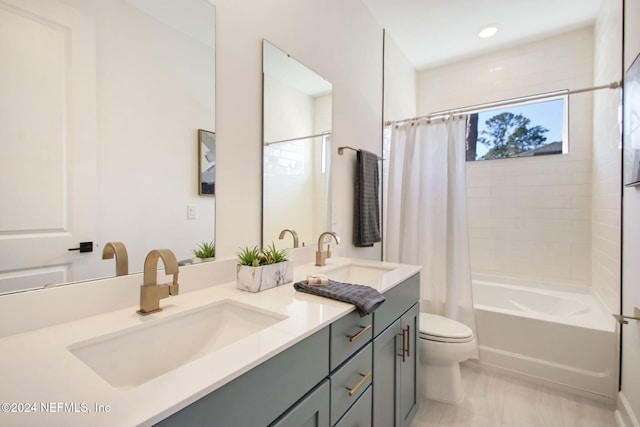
(205, 250)
(253, 257)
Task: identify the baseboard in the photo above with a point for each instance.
(624, 414)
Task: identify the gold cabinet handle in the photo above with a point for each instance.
(363, 331)
(353, 390)
(408, 340)
(404, 346)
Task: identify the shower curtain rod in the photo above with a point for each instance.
(477, 108)
(300, 138)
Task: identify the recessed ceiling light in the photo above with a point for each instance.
(488, 31)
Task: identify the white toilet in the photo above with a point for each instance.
(444, 343)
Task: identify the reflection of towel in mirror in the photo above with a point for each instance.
(366, 206)
(365, 298)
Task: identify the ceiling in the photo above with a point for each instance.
(434, 32)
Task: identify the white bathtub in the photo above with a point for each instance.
(553, 334)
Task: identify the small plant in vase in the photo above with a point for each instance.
(249, 256)
(272, 255)
(259, 270)
(205, 251)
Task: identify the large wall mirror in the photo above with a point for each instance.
(102, 102)
(296, 150)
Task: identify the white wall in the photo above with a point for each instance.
(605, 191)
(399, 83)
(528, 217)
(630, 393)
(340, 41)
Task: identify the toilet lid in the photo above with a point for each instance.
(443, 329)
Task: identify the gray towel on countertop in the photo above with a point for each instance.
(365, 298)
(366, 206)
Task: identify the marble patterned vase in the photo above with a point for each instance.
(256, 279)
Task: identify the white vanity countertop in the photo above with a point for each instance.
(39, 375)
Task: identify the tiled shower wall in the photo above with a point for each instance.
(528, 217)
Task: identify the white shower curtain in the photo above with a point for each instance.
(426, 214)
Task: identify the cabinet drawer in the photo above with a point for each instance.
(350, 382)
(398, 300)
(310, 411)
(360, 413)
(348, 334)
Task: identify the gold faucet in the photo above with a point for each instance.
(321, 256)
(118, 250)
(150, 292)
(293, 233)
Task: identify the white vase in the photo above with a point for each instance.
(256, 279)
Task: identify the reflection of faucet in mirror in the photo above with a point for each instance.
(150, 292)
(293, 233)
(118, 250)
(321, 256)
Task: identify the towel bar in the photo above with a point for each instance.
(623, 319)
(341, 150)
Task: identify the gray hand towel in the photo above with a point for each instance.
(366, 206)
(365, 298)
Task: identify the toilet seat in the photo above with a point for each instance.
(442, 329)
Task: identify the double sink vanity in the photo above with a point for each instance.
(216, 355)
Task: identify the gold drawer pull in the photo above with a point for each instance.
(355, 337)
(354, 390)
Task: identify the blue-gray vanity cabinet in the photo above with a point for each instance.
(395, 356)
(348, 374)
(349, 334)
(399, 299)
(349, 382)
(260, 396)
(311, 411)
(360, 413)
(408, 387)
(385, 353)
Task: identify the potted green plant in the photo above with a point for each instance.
(259, 270)
(204, 252)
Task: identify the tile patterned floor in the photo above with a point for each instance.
(495, 400)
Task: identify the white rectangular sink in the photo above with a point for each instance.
(359, 274)
(138, 354)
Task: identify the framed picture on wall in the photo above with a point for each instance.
(631, 153)
(206, 163)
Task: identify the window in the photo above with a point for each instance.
(520, 130)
